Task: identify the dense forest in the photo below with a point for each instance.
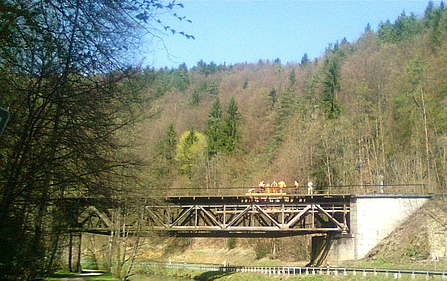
(365, 113)
(85, 123)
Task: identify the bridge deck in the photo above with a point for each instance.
(260, 198)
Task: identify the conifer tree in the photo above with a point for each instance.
(331, 85)
(215, 131)
(231, 122)
(273, 97)
(304, 59)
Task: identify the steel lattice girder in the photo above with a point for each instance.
(279, 219)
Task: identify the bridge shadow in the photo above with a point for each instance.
(212, 275)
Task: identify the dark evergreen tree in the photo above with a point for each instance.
(195, 98)
(213, 88)
(304, 59)
(231, 122)
(331, 85)
(292, 78)
(168, 143)
(180, 77)
(368, 29)
(273, 97)
(215, 131)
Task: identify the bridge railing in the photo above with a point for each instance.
(312, 271)
(402, 189)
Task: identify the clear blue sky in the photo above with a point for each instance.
(246, 31)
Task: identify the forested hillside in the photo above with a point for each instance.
(367, 111)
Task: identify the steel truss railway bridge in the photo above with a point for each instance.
(225, 212)
(345, 212)
(248, 215)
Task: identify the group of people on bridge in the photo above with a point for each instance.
(279, 187)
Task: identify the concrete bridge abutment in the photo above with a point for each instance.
(372, 218)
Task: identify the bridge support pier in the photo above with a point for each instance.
(372, 218)
(320, 249)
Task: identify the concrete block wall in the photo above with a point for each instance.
(372, 218)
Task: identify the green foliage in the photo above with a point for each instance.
(435, 22)
(262, 248)
(164, 164)
(231, 243)
(169, 143)
(190, 151)
(222, 131)
(273, 97)
(292, 78)
(404, 28)
(180, 77)
(245, 86)
(304, 60)
(232, 121)
(215, 131)
(195, 99)
(204, 68)
(331, 85)
(213, 88)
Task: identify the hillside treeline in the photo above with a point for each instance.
(365, 113)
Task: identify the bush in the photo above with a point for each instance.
(231, 243)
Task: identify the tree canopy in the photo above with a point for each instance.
(66, 69)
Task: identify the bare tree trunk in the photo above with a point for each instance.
(78, 263)
(427, 145)
(70, 253)
(137, 242)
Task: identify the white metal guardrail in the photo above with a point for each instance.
(294, 270)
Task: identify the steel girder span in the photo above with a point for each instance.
(250, 217)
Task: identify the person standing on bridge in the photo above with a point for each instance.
(281, 186)
(297, 186)
(274, 186)
(267, 188)
(310, 187)
(262, 186)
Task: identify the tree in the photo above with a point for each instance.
(304, 59)
(403, 28)
(292, 78)
(180, 77)
(273, 97)
(63, 68)
(432, 21)
(331, 85)
(213, 88)
(215, 131)
(194, 100)
(368, 29)
(190, 152)
(231, 122)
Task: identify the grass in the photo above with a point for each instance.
(428, 265)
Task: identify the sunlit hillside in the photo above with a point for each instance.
(365, 112)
